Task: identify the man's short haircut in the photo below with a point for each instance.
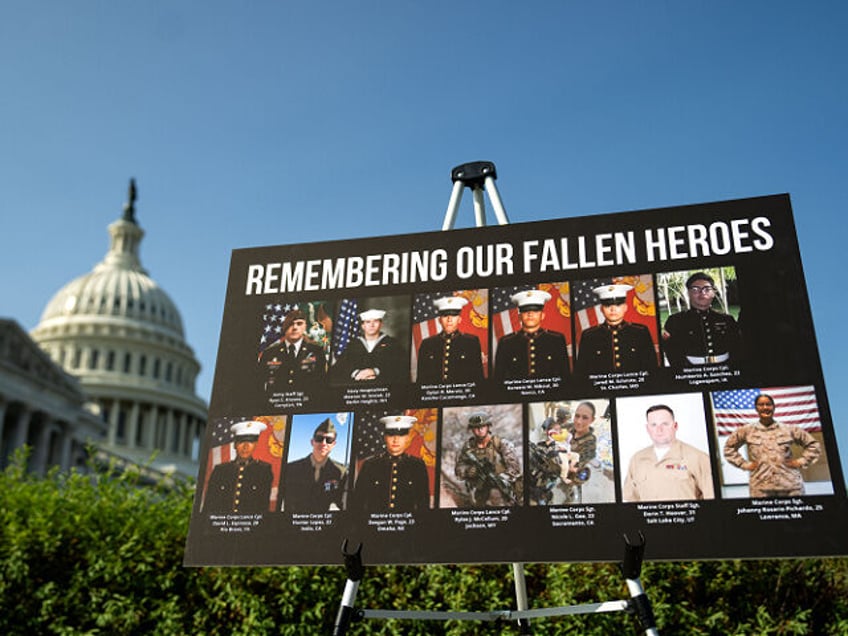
(699, 276)
(659, 407)
(765, 395)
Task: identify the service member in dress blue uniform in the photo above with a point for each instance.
(393, 481)
(450, 356)
(292, 363)
(701, 335)
(532, 352)
(615, 345)
(244, 484)
(374, 356)
(315, 483)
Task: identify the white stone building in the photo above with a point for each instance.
(41, 406)
(121, 336)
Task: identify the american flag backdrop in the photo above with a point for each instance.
(503, 311)
(272, 323)
(346, 327)
(269, 447)
(793, 406)
(425, 321)
(273, 315)
(584, 304)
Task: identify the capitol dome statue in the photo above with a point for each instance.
(122, 337)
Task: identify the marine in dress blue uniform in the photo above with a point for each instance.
(701, 335)
(450, 356)
(393, 481)
(241, 486)
(532, 352)
(615, 345)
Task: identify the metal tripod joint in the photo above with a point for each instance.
(479, 176)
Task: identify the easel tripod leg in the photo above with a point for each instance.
(347, 607)
(521, 602)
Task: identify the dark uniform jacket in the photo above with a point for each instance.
(389, 483)
(304, 494)
(388, 357)
(282, 372)
(693, 338)
(542, 354)
(605, 349)
(447, 358)
(239, 487)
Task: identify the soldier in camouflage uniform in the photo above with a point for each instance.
(773, 470)
(545, 464)
(584, 442)
(489, 465)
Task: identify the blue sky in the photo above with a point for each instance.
(263, 123)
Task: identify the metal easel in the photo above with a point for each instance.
(480, 175)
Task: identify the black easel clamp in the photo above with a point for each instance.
(631, 567)
(355, 571)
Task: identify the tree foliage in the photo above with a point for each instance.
(93, 554)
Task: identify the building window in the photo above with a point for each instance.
(77, 358)
(110, 361)
(93, 359)
(156, 367)
(142, 365)
(169, 371)
(175, 439)
(161, 431)
(121, 432)
(127, 362)
(139, 430)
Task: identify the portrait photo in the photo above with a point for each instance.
(395, 460)
(531, 332)
(770, 443)
(450, 343)
(700, 318)
(243, 464)
(370, 341)
(615, 324)
(315, 477)
(482, 456)
(663, 448)
(571, 458)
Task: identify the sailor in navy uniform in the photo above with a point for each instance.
(292, 363)
(393, 481)
(701, 335)
(450, 356)
(615, 345)
(532, 352)
(243, 485)
(374, 356)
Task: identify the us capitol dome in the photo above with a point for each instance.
(122, 337)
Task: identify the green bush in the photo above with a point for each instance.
(93, 554)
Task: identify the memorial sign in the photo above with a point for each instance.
(523, 393)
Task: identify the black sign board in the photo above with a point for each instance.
(523, 393)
